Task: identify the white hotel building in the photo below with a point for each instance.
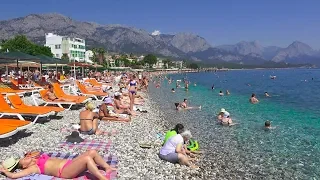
(75, 48)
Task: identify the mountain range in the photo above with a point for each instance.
(120, 38)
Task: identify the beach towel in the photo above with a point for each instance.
(89, 144)
(107, 133)
(111, 160)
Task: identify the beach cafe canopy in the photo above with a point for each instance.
(18, 56)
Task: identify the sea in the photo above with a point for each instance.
(247, 150)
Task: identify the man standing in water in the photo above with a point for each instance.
(253, 99)
(184, 105)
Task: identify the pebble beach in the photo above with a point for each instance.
(134, 162)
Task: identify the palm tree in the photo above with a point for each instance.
(101, 52)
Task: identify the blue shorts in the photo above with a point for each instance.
(90, 132)
(172, 157)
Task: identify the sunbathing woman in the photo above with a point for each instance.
(89, 121)
(106, 112)
(52, 97)
(62, 168)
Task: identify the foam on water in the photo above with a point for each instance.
(246, 150)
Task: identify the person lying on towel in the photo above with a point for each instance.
(61, 168)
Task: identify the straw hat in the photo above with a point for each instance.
(10, 163)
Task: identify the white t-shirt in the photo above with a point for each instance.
(171, 144)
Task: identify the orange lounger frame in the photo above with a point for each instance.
(94, 94)
(6, 110)
(20, 125)
(42, 94)
(7, 131)
(17, 103)
(60, 94)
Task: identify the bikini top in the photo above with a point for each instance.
(133, 83)
(41, 162)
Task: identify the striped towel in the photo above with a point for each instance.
(108, 133)
(111, 160)
(89, 144)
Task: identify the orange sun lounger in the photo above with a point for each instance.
(42, 94)
(17, 103)
(60, 94)
(7, 131)
(94, 94)
(6, 110)
(20, 125)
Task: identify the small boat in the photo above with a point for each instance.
(273, 77)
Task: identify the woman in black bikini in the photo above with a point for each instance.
(89, 121)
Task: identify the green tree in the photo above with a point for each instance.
(150, 59)
(22, 44)
(65, 57)
(98, 55)
(166, 62)
(193, 66)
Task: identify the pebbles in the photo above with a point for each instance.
(134, 162)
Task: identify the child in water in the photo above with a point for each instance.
(267, 125)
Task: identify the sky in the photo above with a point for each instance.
(270, 22)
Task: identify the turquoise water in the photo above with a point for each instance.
(246, 150)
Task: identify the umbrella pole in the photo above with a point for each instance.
(74, 70)
(40, 68)
(7, 69)
(17, 66)
(57, 72)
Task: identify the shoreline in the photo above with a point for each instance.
(134, 161)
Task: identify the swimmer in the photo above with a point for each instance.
(227, 92)
(221, 93)
(267, 125)
(253, 99)
(212, 88)
(266, 94)
(184, 105)
(172, 90)
(224, 118)
(194, 84)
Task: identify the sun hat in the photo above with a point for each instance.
(223, 110)
(107, 100)
(117, 94)
(74, 137)
(10, 163)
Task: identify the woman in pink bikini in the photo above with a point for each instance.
(61, 168)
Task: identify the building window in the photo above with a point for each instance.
(58, 46)
(57, 55)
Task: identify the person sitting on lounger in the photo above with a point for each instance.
(61, 168)
(52, 97)
(106, 112)
(89, 120)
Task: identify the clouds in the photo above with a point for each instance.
(155, 33)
